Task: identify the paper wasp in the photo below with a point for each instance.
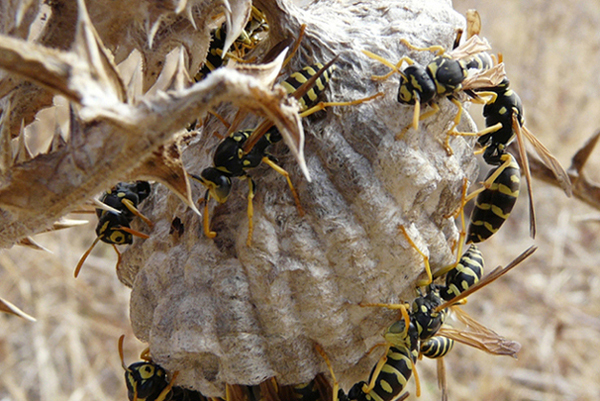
(247, 149)
(113, 226)
(252, 34)
(466, 67)
(429, 313)
(147, 381)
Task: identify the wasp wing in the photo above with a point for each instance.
(550, 161)
(491, 277)
(478, 336)
(482, 79)
(472, 46)
(525, 162)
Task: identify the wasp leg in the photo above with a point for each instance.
(394, 67)
(284, 173)
(416, 117)
(401, 307)
(455, 123)
(206, 220)
(439, 50)
(296, 45)
(163, 394)
(145, 355)
(336, 384)
(485, 131)
(429, 279)
(485, 97)
(251, 193)
(118, 257)
(322, 105)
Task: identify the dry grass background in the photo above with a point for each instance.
(551, 304)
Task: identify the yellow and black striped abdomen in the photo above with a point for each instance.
(466, 274)
(311, 97)
(214, 56)
(437, 347)
(393, 376)
(494, 204)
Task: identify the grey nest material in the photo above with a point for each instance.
(221, 312)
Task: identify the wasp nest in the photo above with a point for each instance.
(216, 310)
(220, 311)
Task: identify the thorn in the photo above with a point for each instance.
(31, 243)
(23, 152)
(24, 6)
(8, 307)
(180, 6)
(236, 21)
(151, 32)
(180, 79)
(67, 223)
(134, 86)
(183, 4)
(166, 167)
(90, 47)
(104, 206)
(58, 141)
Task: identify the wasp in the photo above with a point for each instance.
(387, 381)
(466, 273)
(429, 312)
(113, 224)
(147, 381)
(505, 121)
(247, 149)
(466, 67)
(252, 34)
(230, 160)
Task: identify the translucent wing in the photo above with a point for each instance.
(478, 336)
(525, 163)
(549, 161)
(473, 45)
(481, 79)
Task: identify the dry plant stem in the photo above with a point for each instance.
(584, 189)
(221, 312)
(111, 137)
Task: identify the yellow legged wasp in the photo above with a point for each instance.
(147, 381)
(246, 149)
(113, 226)
(230, 160)
(248, 39)
(428, 314)
(504, 122)
(465, 68)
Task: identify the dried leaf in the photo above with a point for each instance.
(237, 15)
(166, 167)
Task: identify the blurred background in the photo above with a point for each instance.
(550, 304)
